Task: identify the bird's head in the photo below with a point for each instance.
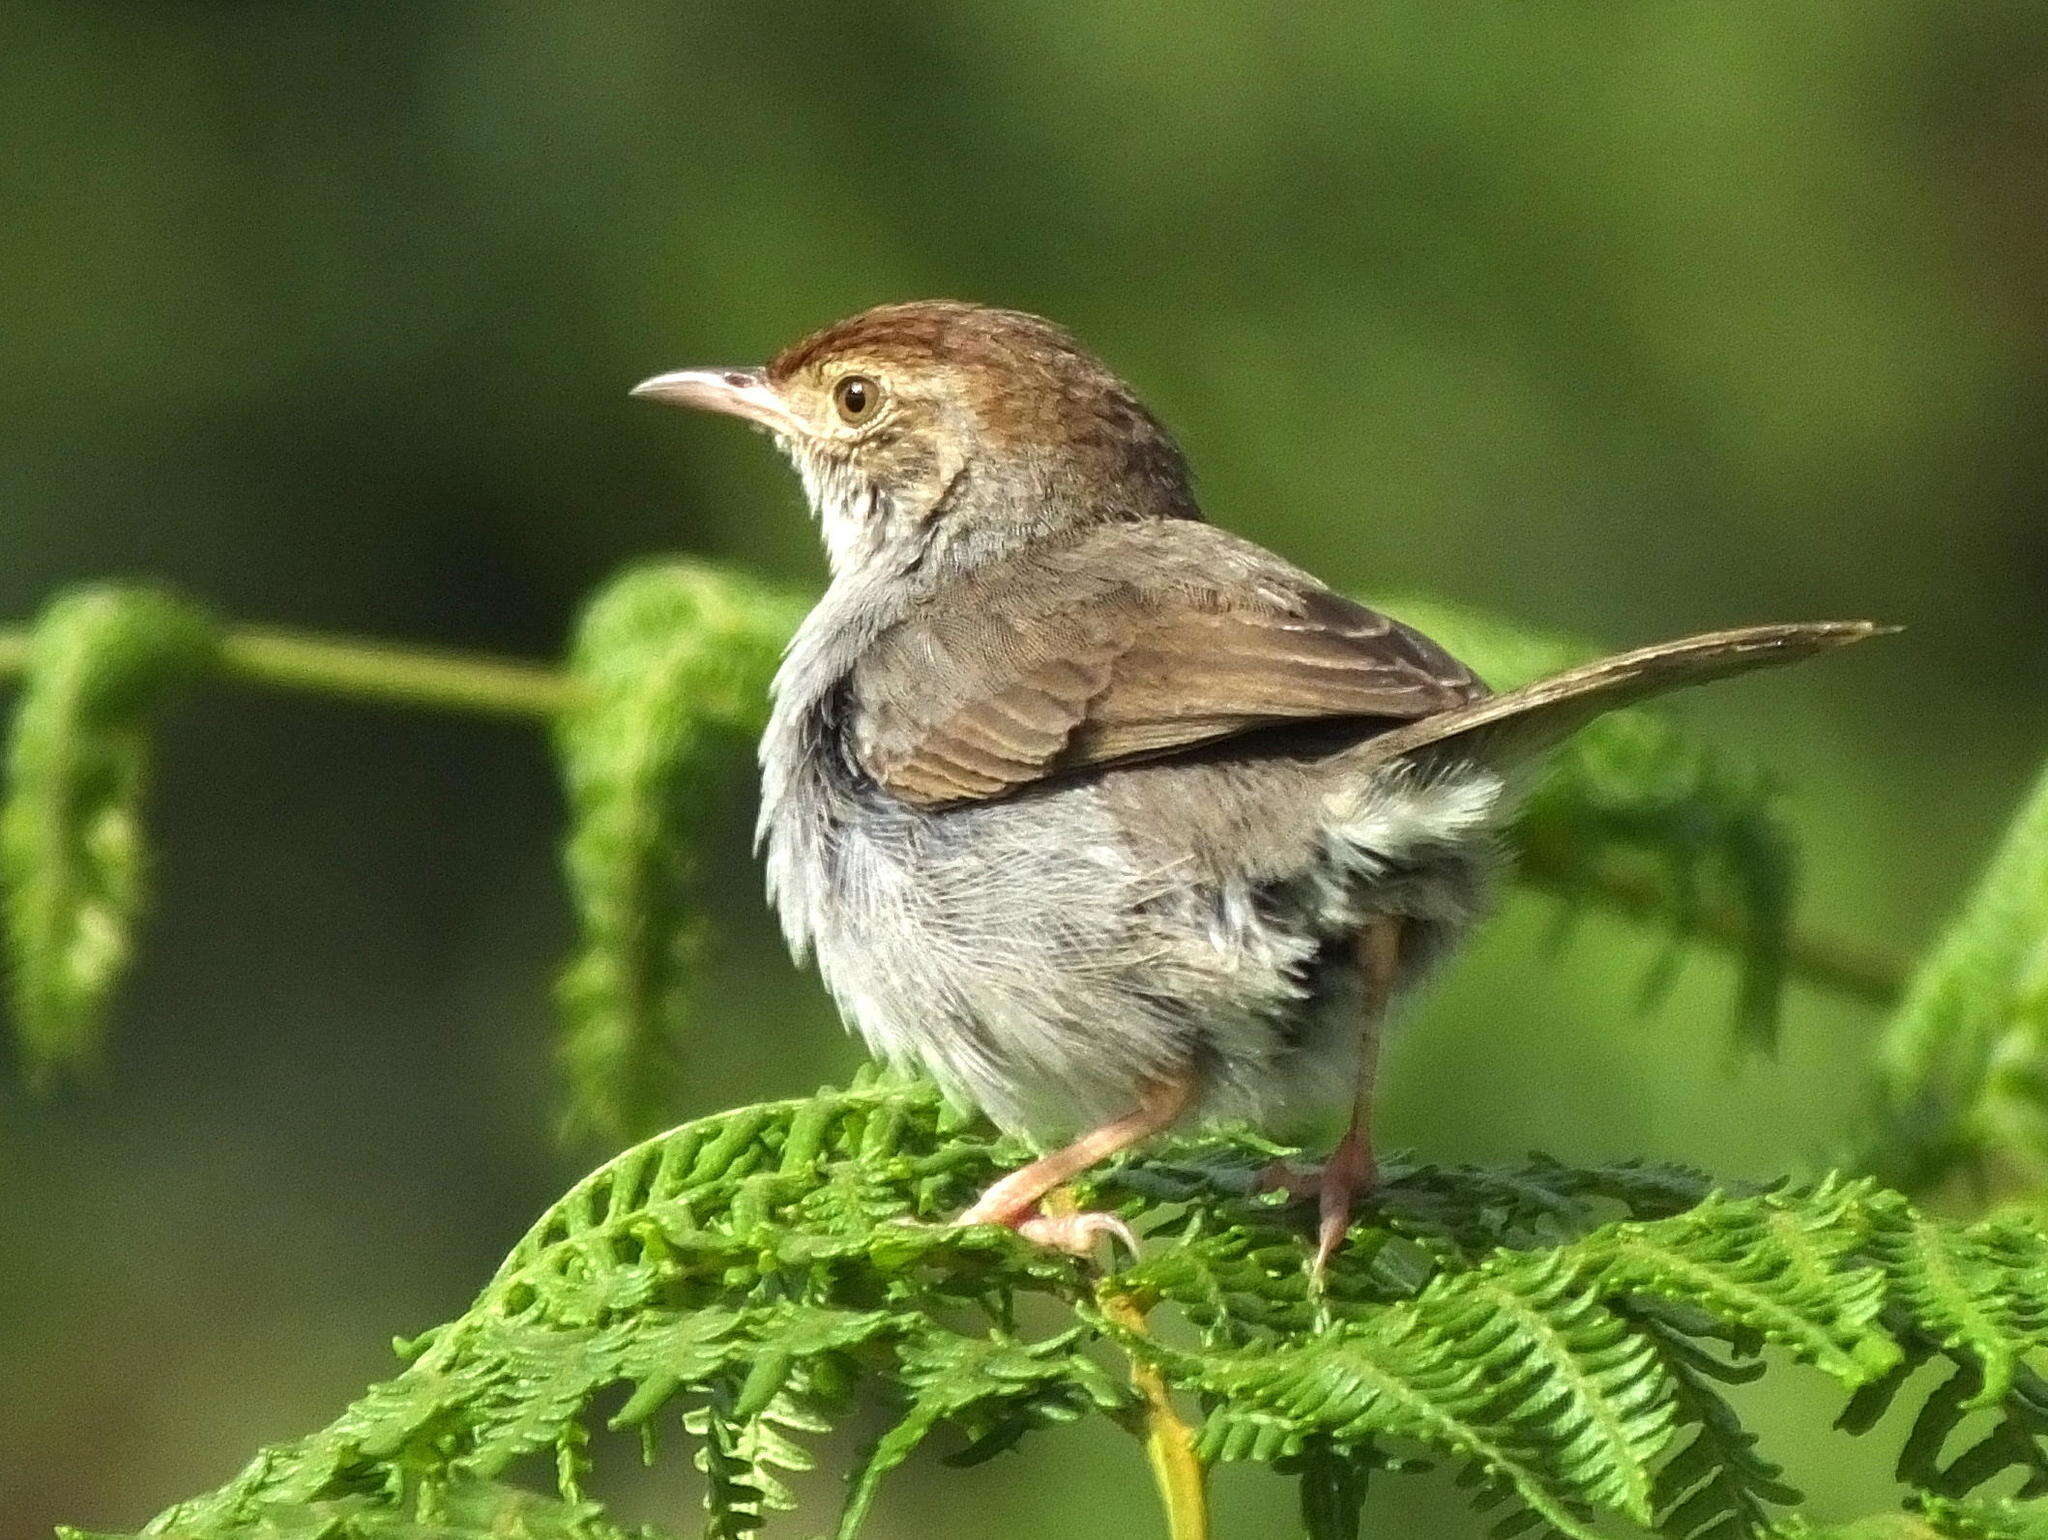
(937, 435)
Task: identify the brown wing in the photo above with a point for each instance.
(1055, 669)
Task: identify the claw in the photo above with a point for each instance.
(1337, 1187)
(1076, 1234)
(1350, 1174)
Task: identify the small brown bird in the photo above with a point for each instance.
(1103, 816)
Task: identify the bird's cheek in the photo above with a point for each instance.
(937, 472)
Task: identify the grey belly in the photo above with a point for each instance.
(1047, 956)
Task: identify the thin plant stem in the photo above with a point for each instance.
(401, 676)
(1834, 964)
(1177, 1471)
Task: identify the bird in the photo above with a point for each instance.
(1103, 817)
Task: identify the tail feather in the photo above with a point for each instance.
(1516, 725)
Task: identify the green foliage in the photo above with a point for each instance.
(1633, 807)
(1964, 1093)
(673, 661)
(100, 664)
(1560, 1336)
(1934, 1518)
(473, 1510)
(1564, 1338)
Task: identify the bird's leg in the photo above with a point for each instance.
(1351, 1171)
(1012, 1201)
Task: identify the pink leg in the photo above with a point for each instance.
(1352, 1172)
(1012, 1200)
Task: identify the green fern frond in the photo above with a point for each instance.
(993, 1388)
(1964, 1063)
(1395, 1378)
(1785, 1267)
(748, 1438)
(101, 663)
(1559, 1335)
(1713, 1486)
(1963, 1294)
(673, 661)
(1632, 805)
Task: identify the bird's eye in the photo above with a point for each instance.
(857, 396)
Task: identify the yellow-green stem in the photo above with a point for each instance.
(373, 671)
(1177, 1471)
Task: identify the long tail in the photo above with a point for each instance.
(1519, 724)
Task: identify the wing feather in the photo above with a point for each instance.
(1051, 669)
(1519, 724)
(1139, 641)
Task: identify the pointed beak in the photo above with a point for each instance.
(737, 392)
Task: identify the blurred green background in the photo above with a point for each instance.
(1622, 318)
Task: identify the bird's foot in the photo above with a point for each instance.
(1338, 1186)
(1348, 1176)
(1074, 1231)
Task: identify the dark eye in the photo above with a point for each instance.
(856, 396)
